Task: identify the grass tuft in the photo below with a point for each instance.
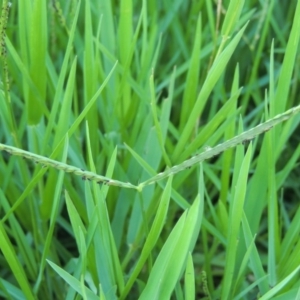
(149, 149)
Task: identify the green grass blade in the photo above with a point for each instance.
(288, 64)
(108, 264)
(156, 122)
(280, 285)
(290, 238)
(90, 76)
(217, 122)
(61, 129)
(75, 219)
(274, 235)
(236, 212)
(212, 77)
(227, 157)
(152, 237)
(38, 49)
(190, 91)
(21, 240)
(189, 279)
(53, 219)
(232, 16)
(59, 85)
(72, 281)
(255, 260)
(9, 291)
(165, 273)
(14, 263)
(240, 276)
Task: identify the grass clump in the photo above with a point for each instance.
(158, 108)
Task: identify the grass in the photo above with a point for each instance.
(160, 144)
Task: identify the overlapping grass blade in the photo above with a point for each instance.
(12, 259)
(59, 85)
(232, 17)
(280, 285)
(258, 183)
(61, 129)
(229, 132)
(55, 208)
(152, 237)
(288, 64)
(107, 260)
(217, 121)
(190, 91)
(165, 273)
(20, 239)
(236, 212)
(211, 79)
(73, 282)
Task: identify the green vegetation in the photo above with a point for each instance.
(157, 163)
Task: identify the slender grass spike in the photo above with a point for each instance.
(208, 152)
(47, 162)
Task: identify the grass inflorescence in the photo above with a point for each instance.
(157, 163)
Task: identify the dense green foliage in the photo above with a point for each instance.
(128, 89)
